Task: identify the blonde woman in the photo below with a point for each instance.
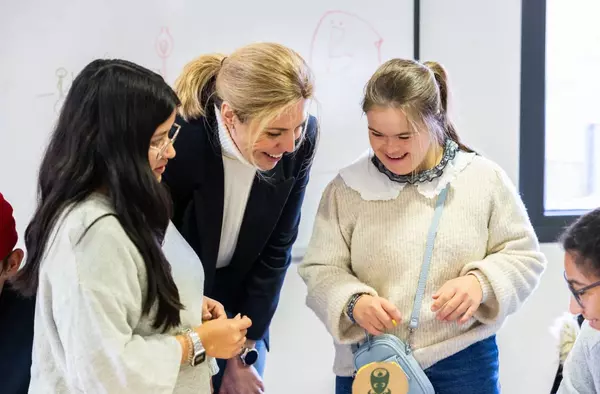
(243, 159)
(365, 257)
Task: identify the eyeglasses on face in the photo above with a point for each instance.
(171, 137)
(577, 293)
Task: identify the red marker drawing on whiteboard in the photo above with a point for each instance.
(342, 39)
(164, 48)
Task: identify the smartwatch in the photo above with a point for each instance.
(249, 356)
(197, 352)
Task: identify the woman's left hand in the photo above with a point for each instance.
(458, 298)
(212, 309)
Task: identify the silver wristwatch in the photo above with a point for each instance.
(198, 353)
(249, 356)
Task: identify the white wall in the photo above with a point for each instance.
(479, 43)
(343, 40)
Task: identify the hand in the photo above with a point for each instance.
(212, 309)
(241, 379)
(458, 298)
(376, 314)
(224, 338)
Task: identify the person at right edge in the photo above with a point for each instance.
(581, 244)
(365, 256)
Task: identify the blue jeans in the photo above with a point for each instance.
(471, 371)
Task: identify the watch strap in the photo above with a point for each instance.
(196, 348)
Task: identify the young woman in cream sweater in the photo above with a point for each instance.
(365, 256)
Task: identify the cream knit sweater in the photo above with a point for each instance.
(369, 236)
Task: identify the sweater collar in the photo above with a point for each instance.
(372, 185)
(228, 146)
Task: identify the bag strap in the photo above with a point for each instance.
(414, 318)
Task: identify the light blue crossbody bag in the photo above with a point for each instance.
(390, 348)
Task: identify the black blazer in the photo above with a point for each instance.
(252, 282)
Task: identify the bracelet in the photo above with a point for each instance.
(351, 304)
(188, 339)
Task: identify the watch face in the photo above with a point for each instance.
(199, 359)
(251, 357)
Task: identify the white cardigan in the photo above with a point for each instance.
(90, 335)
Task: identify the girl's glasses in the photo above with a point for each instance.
(171, 136)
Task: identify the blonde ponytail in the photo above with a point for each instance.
(196, 85)
(259, 81)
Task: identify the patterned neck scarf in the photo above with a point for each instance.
(450, 149)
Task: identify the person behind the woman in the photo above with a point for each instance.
(581, 242)
(113, 315)
(238, 183)
(365, 256)
(16, 312)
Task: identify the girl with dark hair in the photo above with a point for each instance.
(113, 315)
(581, 242)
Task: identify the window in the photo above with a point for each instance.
(560, 112)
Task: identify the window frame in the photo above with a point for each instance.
(548, 224)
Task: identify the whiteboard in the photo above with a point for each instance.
(46, 43)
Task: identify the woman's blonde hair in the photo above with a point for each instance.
(259, 81)
(420, 90)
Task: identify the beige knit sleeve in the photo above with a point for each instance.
(514, 264)
(327, 268)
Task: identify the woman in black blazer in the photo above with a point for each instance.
(244, 154)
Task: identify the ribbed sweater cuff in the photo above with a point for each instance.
(486, 286)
